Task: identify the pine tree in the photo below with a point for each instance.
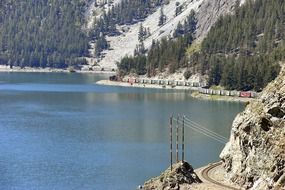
(179, 31)
(141, 34)
(162, 17)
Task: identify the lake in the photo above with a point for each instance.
(61, 131)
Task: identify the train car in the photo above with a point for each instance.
(245, 94)
(131, 80)
(162, 82)
(233, 93)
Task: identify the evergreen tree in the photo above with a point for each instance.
(178, 9)
(42, 33)
(162, 17)
(143, 33)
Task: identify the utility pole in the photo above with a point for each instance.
(183, 142)
(177, 140)
(170, 125)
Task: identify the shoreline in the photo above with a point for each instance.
(7, 69)
(194, 94)
(220, 98)
(139, 85)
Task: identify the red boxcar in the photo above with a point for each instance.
(245, 94)
(131, 80)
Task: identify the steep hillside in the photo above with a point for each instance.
(255, 155)
(210, 11)
(241, 51)
(126, 44)
(43, 33)
(60, 33)
(207, 14)
(95, 10)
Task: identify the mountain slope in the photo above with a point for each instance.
(240, 52)
(42, 33)
(95, 10)
(54, 34)
(126, 44)
(208, 12)
(255, 155)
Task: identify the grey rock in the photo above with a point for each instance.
(182, 173)
(255, 155)
(209, 12)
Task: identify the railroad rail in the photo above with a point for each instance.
(205, 175)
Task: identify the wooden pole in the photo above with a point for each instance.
(183, 142)
(177, 140)
(170, 124)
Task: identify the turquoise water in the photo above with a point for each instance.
(62, 131)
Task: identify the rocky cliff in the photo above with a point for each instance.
(210, 11)
(255, 155)
(179, 177)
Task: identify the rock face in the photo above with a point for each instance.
(182, 174)
(209, 12)
(255, 155)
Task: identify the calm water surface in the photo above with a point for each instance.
(63, 132)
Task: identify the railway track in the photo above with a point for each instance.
(205, 175)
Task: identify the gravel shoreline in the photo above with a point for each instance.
(221, 98)
(48, 70)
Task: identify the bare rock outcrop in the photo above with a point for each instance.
(181, 175)
(255, 155)
(209, 12)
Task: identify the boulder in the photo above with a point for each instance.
(182, 173)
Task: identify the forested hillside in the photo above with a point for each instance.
(170, 53)
(241, 51)
(44, 33)
(49, 33)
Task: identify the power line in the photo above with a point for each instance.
(205, 129)
(211, 133)
(207, 133)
